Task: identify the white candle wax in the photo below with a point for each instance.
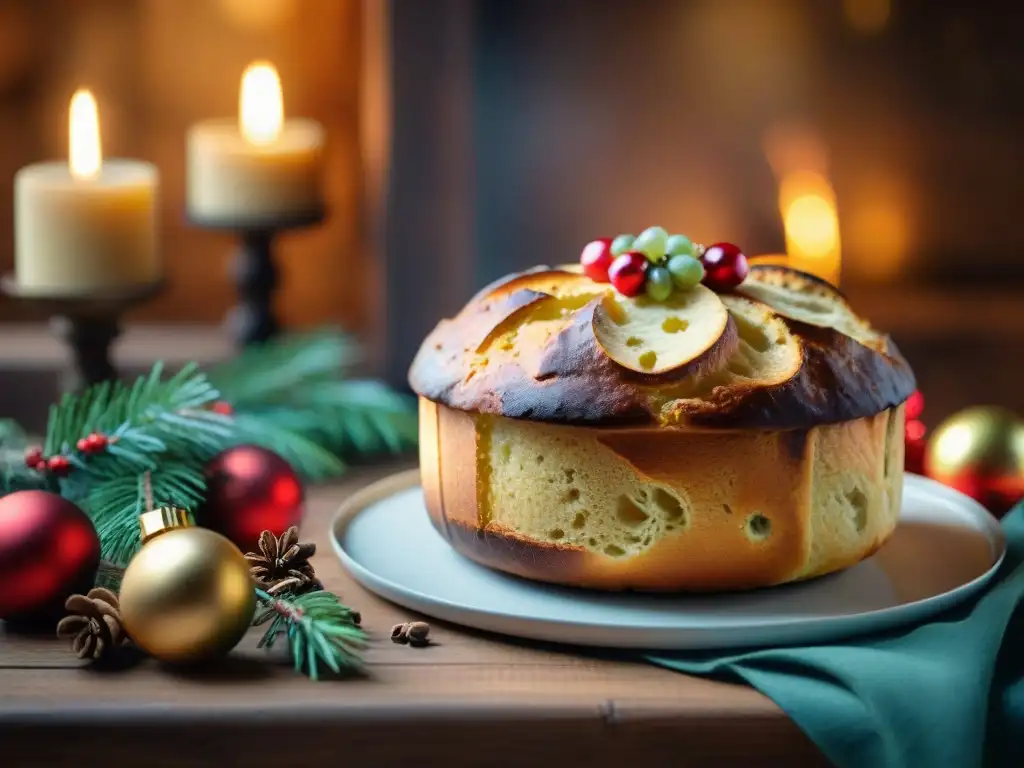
(232, 179)
(85, 236)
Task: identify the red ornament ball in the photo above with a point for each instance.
(628, 273)
(725, 266)
(250, 490)
(597, 258)
(48, 550)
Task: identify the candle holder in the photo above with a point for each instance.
(88, 325)
(253, 319)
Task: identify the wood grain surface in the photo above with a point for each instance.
(469, 699)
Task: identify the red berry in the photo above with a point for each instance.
(725, 266)
(58, 465)
(33, 456)
(98, 443)
(222, 407)
(597, 259)
(40, 466)
(915, 405)
(83, 445)
(628, 272)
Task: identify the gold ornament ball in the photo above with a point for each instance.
(187, 596)
(980, 452)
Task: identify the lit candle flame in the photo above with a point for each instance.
(812, 224)
(85, 154)
(261, 105)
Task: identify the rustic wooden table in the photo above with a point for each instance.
(471, 699)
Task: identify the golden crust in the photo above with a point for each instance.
(545, 364)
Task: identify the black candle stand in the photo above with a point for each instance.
(87, 324)
(253, 320)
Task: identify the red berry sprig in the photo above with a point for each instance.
(34, 457)
(93, 444)
(658, 263)
(224, 408)
(60, 465)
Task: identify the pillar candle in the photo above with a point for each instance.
(87, 226)
(259, 168)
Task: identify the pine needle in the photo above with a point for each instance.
(158, 426)
(291, 395)
(14, 475)
(319, 629)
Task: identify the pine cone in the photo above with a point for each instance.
(94, 625)
(282, 564)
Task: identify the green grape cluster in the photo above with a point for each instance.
(674, 261)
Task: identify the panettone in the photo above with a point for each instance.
(712, 440)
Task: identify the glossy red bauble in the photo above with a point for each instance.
(48, 550)
(250, 490)
(597, 259)
(628, 273)
(725, 266)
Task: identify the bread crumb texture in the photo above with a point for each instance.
(666, 509)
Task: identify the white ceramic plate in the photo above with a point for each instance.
(945, 549)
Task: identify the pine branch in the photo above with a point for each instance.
(290, 395)
(271, 373)
(319, 629)
(115, 504)
(155, 426)
(150, 418)
(305, 455)
(110, 576)
(14, 475)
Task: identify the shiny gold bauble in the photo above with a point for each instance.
(187, 595)
(980, 452)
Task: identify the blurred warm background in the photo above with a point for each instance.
(874, 142)
(157, 66)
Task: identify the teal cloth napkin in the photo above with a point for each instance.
(947, 693)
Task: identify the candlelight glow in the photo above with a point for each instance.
(868, 16)
(261, 105)
(811, 222)
(85, 155)
(811, 226)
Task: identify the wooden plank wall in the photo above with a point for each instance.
(158, 65)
